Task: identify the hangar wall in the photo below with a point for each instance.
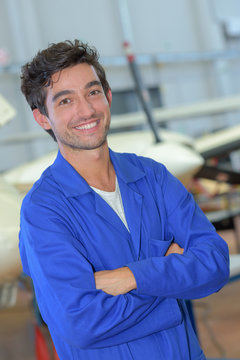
(173, 28)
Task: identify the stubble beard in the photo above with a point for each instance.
(72, 141)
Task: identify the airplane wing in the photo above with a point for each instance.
(219, 143)
(161, 115)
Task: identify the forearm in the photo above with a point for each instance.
(195, 274)
(121, 281)
(115, 282)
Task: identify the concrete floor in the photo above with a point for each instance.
(217, 318)
(17, 333)
(218, 322)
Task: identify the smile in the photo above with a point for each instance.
(87, 126)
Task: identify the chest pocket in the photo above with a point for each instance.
(159, 247)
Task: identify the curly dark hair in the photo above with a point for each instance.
(36, 75)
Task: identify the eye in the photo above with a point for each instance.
(95, 92)
(64, 101)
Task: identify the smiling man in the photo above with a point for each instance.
(78, 109)
(113, 242)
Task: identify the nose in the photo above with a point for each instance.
(85, 108)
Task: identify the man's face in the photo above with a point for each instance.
(78, 109)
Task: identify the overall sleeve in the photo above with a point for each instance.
(65, 288)
(203, 268)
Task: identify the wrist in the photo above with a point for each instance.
(130, 279)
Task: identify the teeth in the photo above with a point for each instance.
(87, 126)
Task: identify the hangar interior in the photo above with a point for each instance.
(188, 58)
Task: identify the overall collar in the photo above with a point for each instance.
(73, 184)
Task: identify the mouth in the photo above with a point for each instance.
(87, 126)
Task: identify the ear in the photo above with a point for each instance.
(41, 119)
(109, 97)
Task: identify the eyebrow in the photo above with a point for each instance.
(67, 92)
(92, 83)
(61, 93)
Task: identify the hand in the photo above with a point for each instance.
(174, 248)
(115, 282)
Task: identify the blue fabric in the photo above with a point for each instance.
(68, 232)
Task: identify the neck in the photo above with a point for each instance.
(94, 166)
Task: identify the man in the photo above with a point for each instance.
(114, 244)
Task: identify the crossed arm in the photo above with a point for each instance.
(120, 281)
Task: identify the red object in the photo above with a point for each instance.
(41, 349)
(128, 51)
(55, 353)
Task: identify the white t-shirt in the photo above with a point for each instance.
(114, 199)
